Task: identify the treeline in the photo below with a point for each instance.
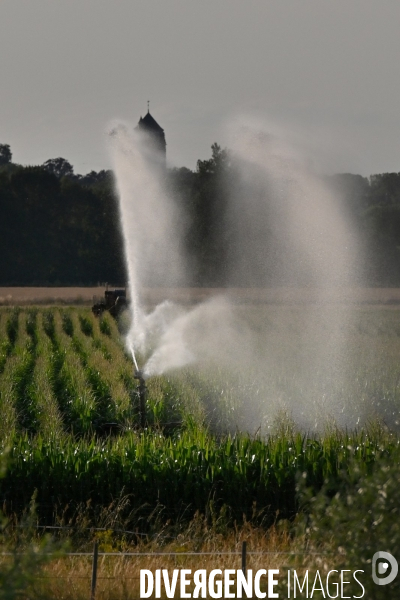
(225, 252)
(59, 228)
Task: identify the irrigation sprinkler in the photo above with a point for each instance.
(142, 391)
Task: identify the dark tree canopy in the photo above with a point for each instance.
(58, 232)
(58, 227)
(385, 189)
(220, 160)
(59, 167)
(5, 154)
(94, 178)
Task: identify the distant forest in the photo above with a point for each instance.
(58, 228)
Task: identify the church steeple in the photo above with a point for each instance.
(155, 134)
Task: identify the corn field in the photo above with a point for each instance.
(70, 428)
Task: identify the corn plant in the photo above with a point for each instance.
(5, 344)
(62, 381)
(75, 396)
(20, 371)
(12, 325)
(49, 415)
(105, 364)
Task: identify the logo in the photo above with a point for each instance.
(385, 564)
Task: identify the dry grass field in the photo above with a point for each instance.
(69, 578)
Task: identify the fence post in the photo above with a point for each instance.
(94, 570)
(244, 550)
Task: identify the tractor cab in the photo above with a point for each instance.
(114, 302)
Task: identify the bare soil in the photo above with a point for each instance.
(11, 296)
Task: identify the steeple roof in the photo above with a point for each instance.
(148, 122)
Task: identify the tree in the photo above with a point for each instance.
(385, 189)
(60, 167)
(220, 160)
(209, 230)
(94, 178)
(5, 154)
(353, 190)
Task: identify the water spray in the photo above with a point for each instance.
(134, 359)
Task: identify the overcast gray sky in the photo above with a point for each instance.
(323, 72)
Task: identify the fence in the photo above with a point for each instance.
(176, 557)
(243, 554)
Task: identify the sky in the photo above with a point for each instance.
(322, 74)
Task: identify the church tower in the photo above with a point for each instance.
(154, 135)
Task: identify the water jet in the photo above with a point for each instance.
(282, 232)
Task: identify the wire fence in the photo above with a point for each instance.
(157, 536)
(94, 577)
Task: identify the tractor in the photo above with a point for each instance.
(114, 302)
